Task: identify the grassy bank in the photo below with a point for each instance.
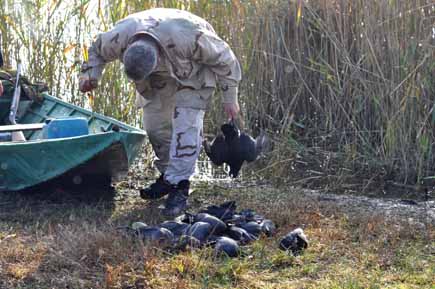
(65, 244)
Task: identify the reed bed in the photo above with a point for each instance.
(353, 80)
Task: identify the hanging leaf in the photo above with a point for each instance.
(91, 100)
(299, 13)
(69, 48)
(85, 53)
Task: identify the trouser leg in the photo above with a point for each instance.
(157, 122)
(185, 145)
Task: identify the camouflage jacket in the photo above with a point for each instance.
(193, 54)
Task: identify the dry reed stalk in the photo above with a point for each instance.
(352, 77)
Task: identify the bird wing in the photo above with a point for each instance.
(217, 151)
(262, 144)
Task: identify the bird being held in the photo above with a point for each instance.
(233, 148)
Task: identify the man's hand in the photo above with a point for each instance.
(232, 110)
(1, 88)
(86, 84)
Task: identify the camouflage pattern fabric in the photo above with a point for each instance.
(175, 133)
(29, 90)
(193, 55)
(157, 121)
(186, 141)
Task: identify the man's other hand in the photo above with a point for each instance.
(232, 110)
(86, 84)
(1, 88)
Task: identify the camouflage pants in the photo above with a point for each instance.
(175, 133)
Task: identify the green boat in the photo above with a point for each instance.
(101, 156)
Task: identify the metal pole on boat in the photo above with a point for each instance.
(16, 135)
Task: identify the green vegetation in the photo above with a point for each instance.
(352, 79)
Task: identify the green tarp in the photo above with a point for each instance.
(29, 163)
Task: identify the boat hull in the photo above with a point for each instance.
(106, 153)
(23, 165)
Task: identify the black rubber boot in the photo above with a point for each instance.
(176, 202)
(157, 190)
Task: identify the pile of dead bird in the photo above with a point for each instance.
(220, 227)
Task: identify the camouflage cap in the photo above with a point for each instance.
(140, 59)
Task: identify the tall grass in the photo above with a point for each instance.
(351, 77)
(357, 76)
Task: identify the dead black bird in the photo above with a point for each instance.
(252, 228)
(295, 241)
(160, 237)
(240, 235)
(217, 150)
(268, 227)
(250, 215)
(234, 157)
(227, 246)
(218, 226)
(200, 231)
(177, 228)
(224, 211)
(187, 218)
(233, 148)
(187, 241)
